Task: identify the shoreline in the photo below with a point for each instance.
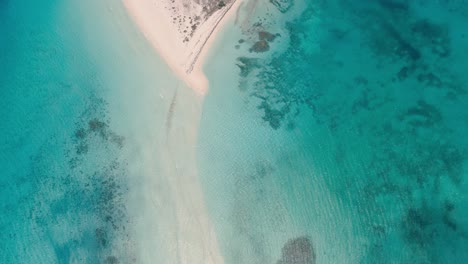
(184, 58)
(194, 240)
(200, 56)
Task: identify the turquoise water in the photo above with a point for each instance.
(61, 182)
(73, 131)
(343, 143)
(350, 133)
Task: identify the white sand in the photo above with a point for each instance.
(194, 241)
(197, 241)
(156, 19)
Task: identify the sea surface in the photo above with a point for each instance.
(339, 136)
(334, 131)
(83, 103)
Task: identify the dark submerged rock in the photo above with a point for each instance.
(404, 48)
(247, 65)
(260, 46)
(282, 5)
(112, 260)
(394, 4)
(96, 125)
(434, 36)
(265, 35)
(80, 133)
(297, 251)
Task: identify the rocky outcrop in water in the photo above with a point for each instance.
(297, 251)
(282, 5)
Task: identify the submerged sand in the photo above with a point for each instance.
(182, 33)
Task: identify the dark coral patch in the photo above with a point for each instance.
(260, 46)
(264, 35)
(297, 251)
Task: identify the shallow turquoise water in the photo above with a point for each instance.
(352, 136)
(73, 130)
(60, 183)
(344, 143)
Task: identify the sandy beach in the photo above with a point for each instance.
(182, 33)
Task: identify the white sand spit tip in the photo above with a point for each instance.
(182, 31)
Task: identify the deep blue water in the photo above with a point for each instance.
(370, 98)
